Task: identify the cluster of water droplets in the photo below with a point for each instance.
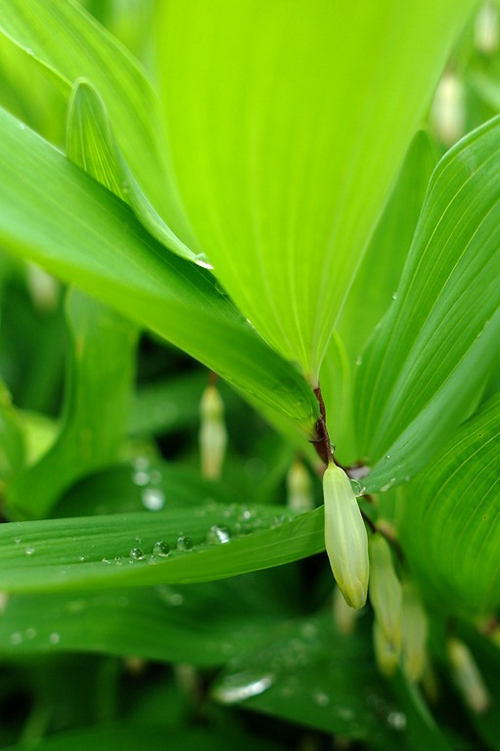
(20, 638)
(149, 480)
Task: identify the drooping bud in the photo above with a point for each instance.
(386, 656)
(385, 592)
(467, 676)
(414, 632)
(486, 28)
(344, 617)
(299, 486)
(213, 435)
(346, 540)
(448, 109)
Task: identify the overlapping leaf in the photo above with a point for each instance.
(82, 233)
(211, 542)
(70, 45)
(450, 530)
(282, 147)
(425, 366)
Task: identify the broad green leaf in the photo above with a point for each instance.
(119, 550)
(450, 525)
(98, 391)
(423, 370)
(379, 273)
(82, 233)
(70, 45)
(163, 623)
(285, 139)
(307, 672)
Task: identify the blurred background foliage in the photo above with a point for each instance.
(257, 661)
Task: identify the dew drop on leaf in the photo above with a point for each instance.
(153, 499)
(137, 554)
(161, 549)
(218, 535)
(184, 543)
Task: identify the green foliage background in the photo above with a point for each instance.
(271, 191)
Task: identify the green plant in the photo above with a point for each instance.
(276, 214)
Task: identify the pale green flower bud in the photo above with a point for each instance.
(467, 676)
(213, 435)
(414, 630)
(385, 655)
(346, 540)
(299, 487)
(385, 592)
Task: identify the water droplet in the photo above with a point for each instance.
(359, 361)
(176, 599)
(54, 638)
(137, 554)
(387, 457)
(81, 557)
(240, 686)
(30, 633)
(321, 699)
(397, 720)
(218, 534)
(30, 550)
(118, 560)
(140, 478)
(16, 638)
(17, 540)
(106, 560)
(357, 487)
(184, 543)
(161, 548)
(22, 126)
(394, 295)
(153, 499)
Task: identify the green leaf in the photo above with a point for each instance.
(82, 233)
(161, 623)
(309, 673)
(117, 550)
(450, 526)
(69, 45)
(12, 445)
(425, 366)
(379, 273)
(94, 422)
(277, 124)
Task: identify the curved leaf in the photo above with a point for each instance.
(425, 366)
(282, 145)
(450, 526)
(118, 550)
(69, 44)
(82, 233)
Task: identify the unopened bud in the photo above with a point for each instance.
(346, 540)
(299, 487)
(213, 435)
(414, 632)
(448, 109)
(486, 28)
(467, 676)
(385, 591)
(385, 655)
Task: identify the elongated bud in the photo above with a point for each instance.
(299, 487)
(346, 540)
(467, 676)
(486, 28)
(213, 435)
(385, 592)
(448, 109)
(414, 631)
(385, 655)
